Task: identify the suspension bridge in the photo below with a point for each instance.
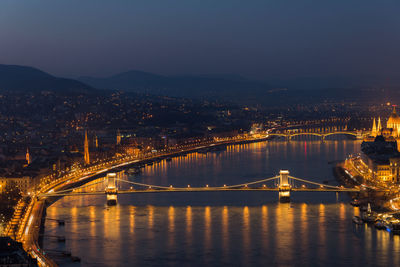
(283, 183)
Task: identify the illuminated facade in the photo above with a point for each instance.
(381, 150)
(381, 159)
(23, 183)
(96, 142)
(28, 157)
(393, 123)
(392, 129)
(394, 170)
(118, 137)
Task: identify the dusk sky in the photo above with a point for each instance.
(258, 39)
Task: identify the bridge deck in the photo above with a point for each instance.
(187, 190)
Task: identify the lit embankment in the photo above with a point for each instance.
(30, 221)
(385, 192)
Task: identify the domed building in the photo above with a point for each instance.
(392, 129)
(394, 123)
(380, 150)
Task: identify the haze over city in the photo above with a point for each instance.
(265, 40)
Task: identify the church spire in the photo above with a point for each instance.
(118, 137)
(86, 149)
(374, 131)
(96, 141)
(28, 156)
(379, 125)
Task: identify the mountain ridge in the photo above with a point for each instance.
(206, 85)
(25, 78)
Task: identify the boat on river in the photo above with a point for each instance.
(380, 224)
(369, 216)
(355, 202)
(394, 228)
(135, 171)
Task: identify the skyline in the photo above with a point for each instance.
(199, 133)
(278, 40)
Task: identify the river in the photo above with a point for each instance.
(224, 228)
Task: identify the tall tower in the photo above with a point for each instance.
(118, 137)
(96, 142)
(28, 156)
(86, 149)
(374, 131)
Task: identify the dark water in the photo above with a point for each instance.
(228, 228)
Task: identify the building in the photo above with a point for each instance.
(392, 129)
(380, 150)
(394, 169)
(393, 123)
(23, 183)
(118, 137)
(13, 254)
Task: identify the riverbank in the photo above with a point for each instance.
(37, 206)
(379, 199)
(196, 229)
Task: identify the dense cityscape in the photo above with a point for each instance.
(144, 147)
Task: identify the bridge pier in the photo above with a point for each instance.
(284, 187)
(111, 189)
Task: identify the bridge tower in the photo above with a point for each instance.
(284, 187)
(359, 135)
(111, 189)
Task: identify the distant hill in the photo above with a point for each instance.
(323, 82)
(26, 79)
(235, 88)
(224, 86)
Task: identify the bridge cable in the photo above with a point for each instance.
(185, 188)
(314, 183)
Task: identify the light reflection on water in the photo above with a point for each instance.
(229, 229)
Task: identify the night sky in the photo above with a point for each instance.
(258, 39)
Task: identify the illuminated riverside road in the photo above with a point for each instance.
(25, 233)
(223, 228)
(28, 230)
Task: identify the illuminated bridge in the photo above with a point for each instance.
(283, 183)
(288, 136)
